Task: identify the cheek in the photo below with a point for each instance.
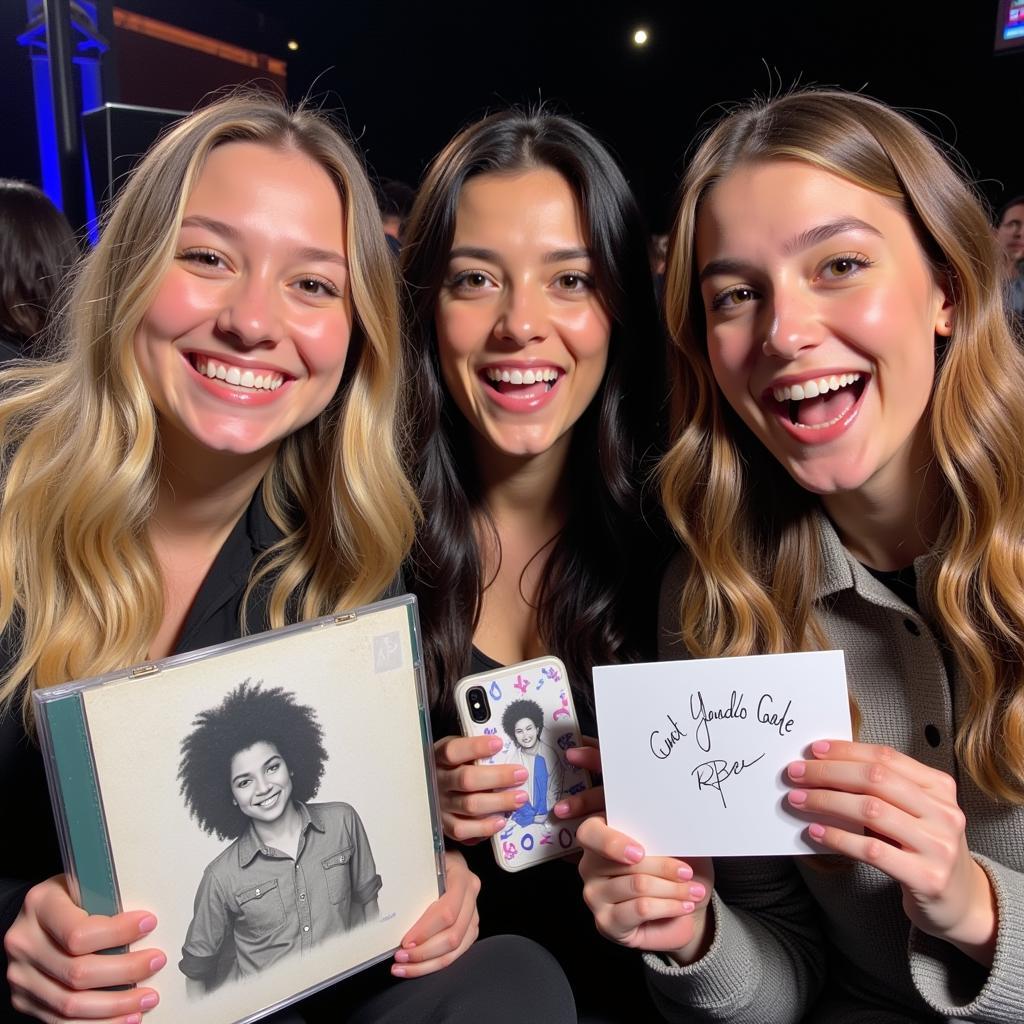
(323, 345)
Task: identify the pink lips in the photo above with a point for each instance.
(816, 435)
(241, 397)
(511, 401)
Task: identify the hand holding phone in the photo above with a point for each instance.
(476, 798)
(521, 723)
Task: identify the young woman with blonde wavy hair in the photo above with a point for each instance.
(216, 451)
(847, 473)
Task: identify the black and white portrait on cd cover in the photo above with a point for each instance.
(271, 804)
(295, 872)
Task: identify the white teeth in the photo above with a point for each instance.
(813, 388)
(498, 375)
(266, 381)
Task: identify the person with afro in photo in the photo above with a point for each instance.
(295, 872)
(523, 722)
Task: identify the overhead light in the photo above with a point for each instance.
(640, 37)
(293, 45)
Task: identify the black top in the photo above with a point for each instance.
(902, 582)
(31, 852)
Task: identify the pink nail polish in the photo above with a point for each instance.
(402, 956)
(817, 831)
(494, 744)
(798, 797)
(147, 1002)
(685, 872)
(561, 810)
(520, 775)
(821, 747)
(797, 770)
(133, 1018)
(398, 972)
(698, 891)
(687, 907)
(147, 924)
(157, 962)
(634, 854)
(520, 799)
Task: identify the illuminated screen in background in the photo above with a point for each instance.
(1010, 26)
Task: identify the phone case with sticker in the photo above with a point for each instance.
(529, 707)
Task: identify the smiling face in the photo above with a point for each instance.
(246, 339)
(822, 312)
(1011, 231)
(261, 784)
(522, 334)
(526, 733)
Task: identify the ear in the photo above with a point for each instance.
(945, 315)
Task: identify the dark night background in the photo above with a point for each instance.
(405, 76)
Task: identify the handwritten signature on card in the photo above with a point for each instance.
(711, 774)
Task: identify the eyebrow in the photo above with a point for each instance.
(307, 253)
(805, 240)
(490, 256)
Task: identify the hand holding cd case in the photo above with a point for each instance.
(270, 800)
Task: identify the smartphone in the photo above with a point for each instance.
(529, 708)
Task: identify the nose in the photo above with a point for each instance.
(251, 314)
(524, 318)
(794, 325)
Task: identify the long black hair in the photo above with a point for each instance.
(37, 248)
(596, 601)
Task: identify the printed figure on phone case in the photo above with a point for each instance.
(523, 722)
(295, 872)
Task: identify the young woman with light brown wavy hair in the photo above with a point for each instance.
(216, 451)
(847, 473)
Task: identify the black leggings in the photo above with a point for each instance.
(501, 980)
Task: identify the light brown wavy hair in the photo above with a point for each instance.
(80, 588)
(749, 528)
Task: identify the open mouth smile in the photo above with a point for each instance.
(254, 380)
(518, 388)
(818, 408)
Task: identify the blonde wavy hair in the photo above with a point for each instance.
(749, 528)
(80, 589)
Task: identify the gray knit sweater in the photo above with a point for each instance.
(794, 942)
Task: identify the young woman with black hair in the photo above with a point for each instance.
(538, 376)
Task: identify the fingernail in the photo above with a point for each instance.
(818, 831)
(685, 872)
(821, 746)
(147, 1002)
(402, 956)
(798, 797)
(520, 775)
(398, 972)
(698, 891)
(687, 907)
(561, 810)
(157, 962)
(499, 823)
(409, 945)
(521, 798)
(133, 1018)
(634, 854)
(797, 770)
(494, 744)
(147, 924)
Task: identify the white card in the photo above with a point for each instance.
(694, 753)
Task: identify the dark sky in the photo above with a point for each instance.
(407, 75)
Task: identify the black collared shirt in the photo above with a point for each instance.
(31, 851)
